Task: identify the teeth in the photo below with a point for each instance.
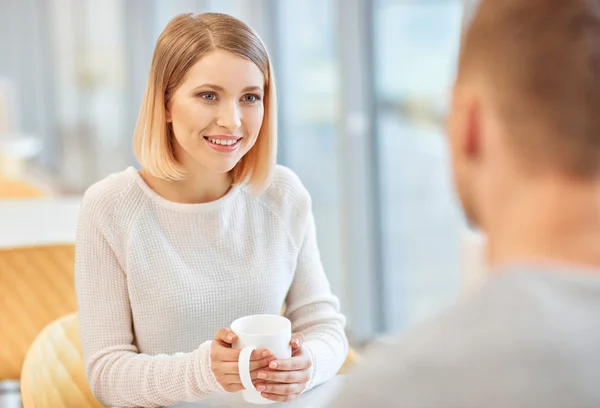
(222, 142)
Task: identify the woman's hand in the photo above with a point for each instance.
(224, 361)
(286, 379)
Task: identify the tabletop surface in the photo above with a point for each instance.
(318, 397)
(37, 221)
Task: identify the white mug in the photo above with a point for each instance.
(271, 332)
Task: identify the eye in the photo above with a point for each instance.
(251, 98)
(208, 96)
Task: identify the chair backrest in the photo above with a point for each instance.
(36, 287)
(18, 189)
(54, 372)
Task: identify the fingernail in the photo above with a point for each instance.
(262, 376)
(260, 388)
(230, 337)
(266, 354)
(273, 364)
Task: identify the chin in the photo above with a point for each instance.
(215, 162)
(223, 167)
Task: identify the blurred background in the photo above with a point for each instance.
(364, 88)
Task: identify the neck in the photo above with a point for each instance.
(199, 186)
(554, 221)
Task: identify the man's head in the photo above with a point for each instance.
(526, 103)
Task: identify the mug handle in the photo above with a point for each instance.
(244, 367)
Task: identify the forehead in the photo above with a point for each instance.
(229, 71)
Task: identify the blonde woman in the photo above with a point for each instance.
(208, 231)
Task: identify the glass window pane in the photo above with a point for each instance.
(416, 47)
(307, 70)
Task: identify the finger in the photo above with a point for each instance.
(301, 362)
(279, 398)
(235, 378)
(262, 363)
(281, 389)
(226, 336)
(260, 354)
(232, 367)
(224, 353)
(285, 377)
(258, 383)
(297, 340)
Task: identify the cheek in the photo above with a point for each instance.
(191, 118)
(253, 121)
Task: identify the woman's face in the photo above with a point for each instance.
(217, 112)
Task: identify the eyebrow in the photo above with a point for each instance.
(221, 89)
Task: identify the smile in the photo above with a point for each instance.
(223, 143)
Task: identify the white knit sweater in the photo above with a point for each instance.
(156, 279)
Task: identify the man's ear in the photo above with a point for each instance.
(466, 124)
(473, 131)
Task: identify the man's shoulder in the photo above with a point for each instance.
(501, 341)
(414, 369)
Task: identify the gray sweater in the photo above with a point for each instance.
(529, 338)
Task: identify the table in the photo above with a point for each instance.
(318, 397)
(38, 221)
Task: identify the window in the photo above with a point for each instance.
(307, 67)
(416, 47)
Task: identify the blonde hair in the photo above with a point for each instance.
(185, 40)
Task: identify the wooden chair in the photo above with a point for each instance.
(18, 189)
(36, 287)
(54, 373)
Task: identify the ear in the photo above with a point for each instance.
(465, 125)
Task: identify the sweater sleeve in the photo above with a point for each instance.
(314, 310)
(118, 374)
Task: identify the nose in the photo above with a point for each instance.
(229, 116)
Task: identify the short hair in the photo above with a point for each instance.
(541, 61)
(185, 40)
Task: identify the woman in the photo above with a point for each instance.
(208, 231)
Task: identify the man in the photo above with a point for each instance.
(525, 139)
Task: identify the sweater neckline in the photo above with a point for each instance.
(182, 207)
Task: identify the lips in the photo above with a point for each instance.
(223, 143)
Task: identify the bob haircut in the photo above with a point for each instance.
(185, 40)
